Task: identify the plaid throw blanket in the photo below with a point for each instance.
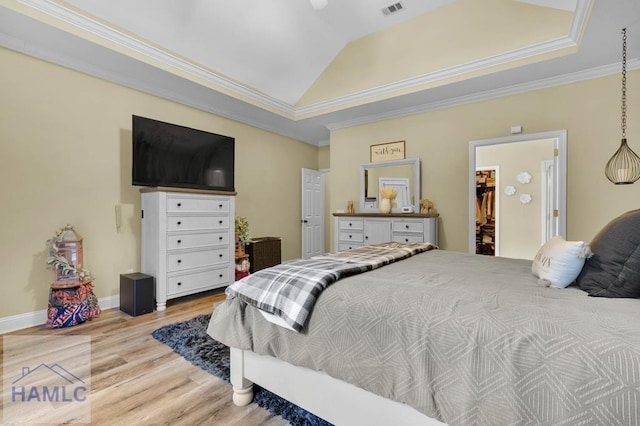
(290, 290)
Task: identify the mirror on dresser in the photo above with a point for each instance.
(398, 172)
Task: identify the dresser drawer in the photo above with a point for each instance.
(177, 203)
(351, 236)
(348, 246)
(347, 224)
(404, 225)
(408, 238)
(186, 223)
(196, 259)
(180, 241)
(190, 282)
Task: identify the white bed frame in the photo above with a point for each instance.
(335, 401)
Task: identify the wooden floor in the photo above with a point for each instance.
(137, 380)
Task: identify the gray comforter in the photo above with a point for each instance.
(466, 340)
(290, 290)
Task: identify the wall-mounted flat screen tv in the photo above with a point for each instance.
(166, 154)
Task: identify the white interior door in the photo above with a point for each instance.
(312, 213)
(549, 219)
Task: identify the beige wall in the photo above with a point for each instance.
(323, 157)
(519, 226)
(65, 145)
(324, 164)
(589, 110)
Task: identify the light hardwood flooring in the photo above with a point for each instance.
(136, 380)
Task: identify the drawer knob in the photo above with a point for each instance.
(350, 224)
(179, 261)
(179, 223)
(220, 238)
(406, 226)
(366, 238)
(220, 255)
(179, 241)
(220, 205)
(220, 275)
(220, 222)
(350, 236)
(179, 204)
(406, 240)
(179, 283)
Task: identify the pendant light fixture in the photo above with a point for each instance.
(624, 167)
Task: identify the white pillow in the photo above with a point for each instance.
(558, 262)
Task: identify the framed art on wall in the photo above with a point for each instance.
(387, 151)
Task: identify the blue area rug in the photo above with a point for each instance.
(191, 341)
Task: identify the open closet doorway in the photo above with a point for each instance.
(531, 202)
(487, 214)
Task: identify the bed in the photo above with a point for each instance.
(446, 337)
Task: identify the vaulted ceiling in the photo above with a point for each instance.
(285, 67)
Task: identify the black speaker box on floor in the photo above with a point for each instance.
(137, 293)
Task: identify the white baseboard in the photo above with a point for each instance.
(32, 319)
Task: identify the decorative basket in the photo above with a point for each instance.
(263, 252)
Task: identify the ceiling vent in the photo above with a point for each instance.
(391, 9)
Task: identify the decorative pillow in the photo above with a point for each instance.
(558, 262)
(614, 269)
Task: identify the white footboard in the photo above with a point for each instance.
(336, 401)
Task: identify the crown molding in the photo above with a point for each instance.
(580, 16)
(577, 28)
(132, 82)
(441, 75)
(589, 74)
(98, 29)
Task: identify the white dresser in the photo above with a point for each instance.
(187, 241)
(353, 231)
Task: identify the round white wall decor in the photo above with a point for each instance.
(510, 190)
(525, 198)
(524, 177)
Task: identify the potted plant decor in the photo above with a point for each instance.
(242, 233)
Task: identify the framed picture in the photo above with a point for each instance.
(387, 151)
